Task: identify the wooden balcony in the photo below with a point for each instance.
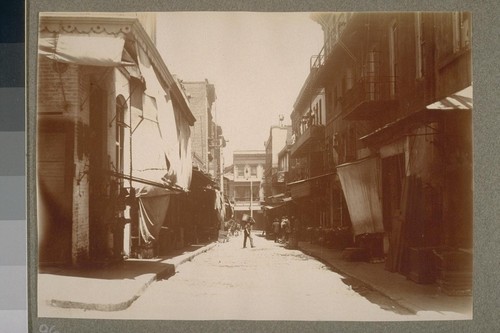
(307, 141)
(369, 97)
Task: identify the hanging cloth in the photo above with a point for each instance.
(361, 186)
(153, 207)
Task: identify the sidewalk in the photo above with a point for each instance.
(411, 295)
(112, 288)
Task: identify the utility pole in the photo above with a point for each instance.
(248, 176)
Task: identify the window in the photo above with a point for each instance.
(253, 171)
(241, 170)
(320, 120)
(372, 74)
(348, 79)
(119, 133)
(419, 46)
(335, 97)
(461, 31)
(393, 64)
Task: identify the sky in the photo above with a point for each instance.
(257, 62)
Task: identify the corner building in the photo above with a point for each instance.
(113, 138)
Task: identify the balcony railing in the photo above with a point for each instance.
(241, 200)
(368, 96)
(331, 39)
(303, 142)
(297, 174)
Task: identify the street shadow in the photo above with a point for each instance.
(126, 269)
(375, 297)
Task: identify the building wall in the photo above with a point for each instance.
(200, 108)
(59, 100)
(413, 59)
(65, 98)
(278, 136)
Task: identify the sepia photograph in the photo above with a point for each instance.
(254, 166)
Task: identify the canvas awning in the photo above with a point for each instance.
(200, 180)
(457, 102)
(360, 182)
(270, 207)
(92, 49)
(461, 100)
(165, 132)
(276, 196)
(308, 187)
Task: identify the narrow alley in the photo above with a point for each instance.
(268, 282)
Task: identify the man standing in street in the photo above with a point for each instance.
(247, 233)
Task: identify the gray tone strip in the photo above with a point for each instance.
(12, 64)
(13, 288)
(12, 198)
(12, 151)
(14, 320)
(13, 244)
(12, 112)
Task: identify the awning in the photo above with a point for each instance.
(92, 49)
(457, 102)
(308, 187)
(167, 129)
(270, 207)
(200, 180)
(243, 208)
(361, 187)
(461, 100)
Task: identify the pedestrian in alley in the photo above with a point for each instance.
(285, 223)
(247, 233)
(276, 229)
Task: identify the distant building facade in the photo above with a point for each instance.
(279, 136)
(248, 193)
(201, 97)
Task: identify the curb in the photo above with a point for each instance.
(107, 307)
(193, 254)
(382, 291)
(164, 274)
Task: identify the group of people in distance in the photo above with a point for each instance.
(283, 228)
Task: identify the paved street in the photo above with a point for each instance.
(267, 282)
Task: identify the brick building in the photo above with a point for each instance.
(201, 99)
(112, 136)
